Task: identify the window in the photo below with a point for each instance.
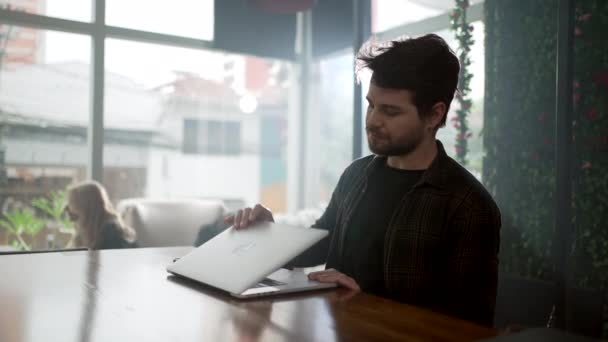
(335, 103)
(188, 18)
(212, 137)
(387, 14)
(158, 100)
(44, 115)
(73, 10)
(195, 123)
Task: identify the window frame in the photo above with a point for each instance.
(98, 31)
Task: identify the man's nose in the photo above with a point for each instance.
(372, 119)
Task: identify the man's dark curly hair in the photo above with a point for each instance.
(426, 66)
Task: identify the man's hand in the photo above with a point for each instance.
(333, 276)
(248, 216)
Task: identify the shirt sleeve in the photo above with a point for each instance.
(317, 254)
(473, 260)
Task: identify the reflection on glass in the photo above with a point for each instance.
(44, 110)
(250, 320)
(89, 304)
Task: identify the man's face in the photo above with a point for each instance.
(393, 125)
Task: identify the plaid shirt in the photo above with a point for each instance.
(441, 245)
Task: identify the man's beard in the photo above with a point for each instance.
(403, 147)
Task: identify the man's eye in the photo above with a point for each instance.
(392, 112)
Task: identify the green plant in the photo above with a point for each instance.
(463, 33)
(519, 137)
(21, 222)
(54, 206)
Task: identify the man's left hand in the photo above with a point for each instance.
(333, 276)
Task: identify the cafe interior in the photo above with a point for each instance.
(139, 134)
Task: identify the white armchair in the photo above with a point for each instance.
(164, 222)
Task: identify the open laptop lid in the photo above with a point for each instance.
(237, 259)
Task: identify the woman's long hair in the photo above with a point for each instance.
(89, 201)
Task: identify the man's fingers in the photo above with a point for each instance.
(257, 211)
(348, 282)
(237, 219)
(340, 279)
(229, 219)
(245, 218)
(333, 276)
(317, 274)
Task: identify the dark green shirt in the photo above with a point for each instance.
(364, 243)
(441, 245)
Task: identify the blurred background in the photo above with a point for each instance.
(241, 102)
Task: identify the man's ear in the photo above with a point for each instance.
(436, 114)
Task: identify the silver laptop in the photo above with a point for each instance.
(246, 263)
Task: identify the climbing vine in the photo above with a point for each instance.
(464, 36)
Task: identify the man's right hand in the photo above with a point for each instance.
(248, 216)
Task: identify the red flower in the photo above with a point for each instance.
(535, 156)
(576, 85)
(592, 114)
(576, 97)
(586, 165)
(601, 78)
(577, 31)
(584, 17)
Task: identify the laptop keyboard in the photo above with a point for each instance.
(268, 282)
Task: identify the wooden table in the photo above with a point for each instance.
(126, 295)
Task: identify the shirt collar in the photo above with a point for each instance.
(436, 174)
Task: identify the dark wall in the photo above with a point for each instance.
(243, 28)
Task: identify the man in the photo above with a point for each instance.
(408, 223)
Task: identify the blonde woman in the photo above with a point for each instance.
(98, 224)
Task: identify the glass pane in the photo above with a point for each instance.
(183, 123)
(80, 10)
(188, 18)
(335, 95)
(387, 14)
(44, 114)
